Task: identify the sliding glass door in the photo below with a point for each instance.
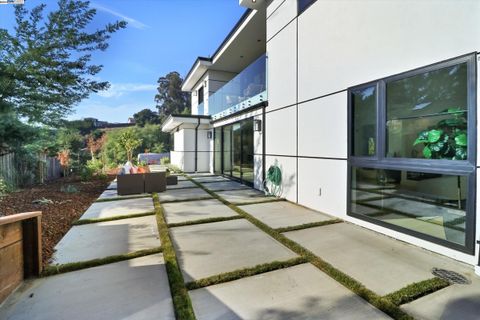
(237, 154)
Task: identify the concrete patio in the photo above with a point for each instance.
(214, 245)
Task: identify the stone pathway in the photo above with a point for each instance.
(212, 240)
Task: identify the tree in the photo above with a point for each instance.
(146, 116)
(95, 144)
(170, 98)
(45, 65)
(129, 141)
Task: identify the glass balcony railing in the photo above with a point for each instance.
(200, 109)
(247, 89)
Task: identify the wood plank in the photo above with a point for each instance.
(19, 217)
(11, 271)
(10, 233)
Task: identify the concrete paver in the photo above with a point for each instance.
(112, 185)
(205, 250)
(243, 196)
(135, 289)
(112, 194)
(281, 214)
(195, 210)
(454, 302)
(299, 292)
(182, 194)
(118, 208)
(382, 264)
(182, 184)
(225, 185)
(99, 240)
(208, 179)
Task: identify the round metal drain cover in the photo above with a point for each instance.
(451, 276)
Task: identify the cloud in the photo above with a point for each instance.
(119, 89)
(131, 22)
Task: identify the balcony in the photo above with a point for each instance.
(246, 89)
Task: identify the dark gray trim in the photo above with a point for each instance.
(264, 147)
(281, 29)
(196, 144)
(275, 9)
(447, 167)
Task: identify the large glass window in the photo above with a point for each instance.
(413, 152)
(427, 115)
(432, 204)
(364, 121)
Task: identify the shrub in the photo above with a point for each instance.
(69, 189)
(165, 161)
(3, 187)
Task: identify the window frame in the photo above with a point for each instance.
(303, 5)
(441, 166)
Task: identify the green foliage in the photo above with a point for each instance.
(152, 140)
(165, 161)
(170, 98)
(46, 63)
(69, 189)
(129, 140)
(448, 139)
(4, 189)
(146, 116)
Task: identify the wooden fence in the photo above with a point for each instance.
(16, 172)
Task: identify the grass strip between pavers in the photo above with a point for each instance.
(379, 302)
(308, 225)
(181, 300)
(120, 198)
(202, 221)
(246, 272)
(113, 218)
(416, 290)
(74, 266)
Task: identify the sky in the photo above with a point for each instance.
(161, 36)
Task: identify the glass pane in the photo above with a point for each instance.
(236, 150)
(433, 204)
(364, 117)
(217, 150)
(427, 115)
(247, 151)
(227, 150)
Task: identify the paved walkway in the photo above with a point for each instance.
(212, 240)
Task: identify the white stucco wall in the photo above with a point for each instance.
(340, 44)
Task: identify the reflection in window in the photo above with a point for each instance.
(427, 115)
(218, 150)
(364, 118)
(432, 204)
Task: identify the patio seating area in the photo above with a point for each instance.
(242, 255)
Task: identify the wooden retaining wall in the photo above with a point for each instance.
(20, 250)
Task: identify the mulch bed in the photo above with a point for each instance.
(59, 209)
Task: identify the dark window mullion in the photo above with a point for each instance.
(381, 120)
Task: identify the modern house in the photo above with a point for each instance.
(369, 109)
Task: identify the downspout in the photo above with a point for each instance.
(196, 144)
(264, 162)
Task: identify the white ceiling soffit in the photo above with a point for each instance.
(197, 71)
(245, 45)
(173, 122)
(252, 4)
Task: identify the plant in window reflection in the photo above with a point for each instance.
(446, 140)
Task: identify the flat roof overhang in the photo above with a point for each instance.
(175, 121)
(245, 43)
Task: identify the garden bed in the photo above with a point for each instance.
(59, 207)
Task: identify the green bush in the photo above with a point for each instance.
(165, 161)
(69, 189)
(3, 187)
